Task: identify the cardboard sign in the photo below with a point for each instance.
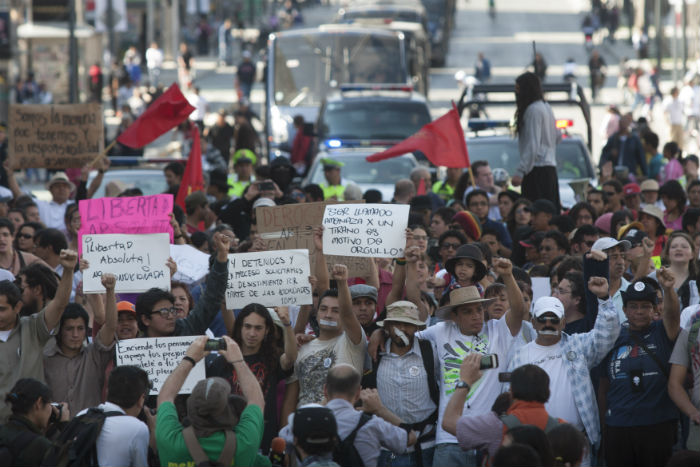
(55, 136)
(270, 278)
(374, 231)
(291, 227)
(159, 356)
(192, 264)
(128, 215)
(138, 261)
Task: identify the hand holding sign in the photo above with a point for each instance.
(318, 238)
(172, 265)
(109, 281)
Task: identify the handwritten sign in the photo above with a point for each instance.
(375, 231)
(128, 215)
(55, 136)
(291, 226)
(270, 278)
(159, 356)
(192, 264)
(138, 261)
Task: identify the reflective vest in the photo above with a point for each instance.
(332, 190)
(443, 190)
(237, 188)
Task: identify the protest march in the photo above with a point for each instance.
(464, 320)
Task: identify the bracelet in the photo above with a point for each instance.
(236, 361)
(187, 358)
(401, 261)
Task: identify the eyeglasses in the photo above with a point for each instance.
(420, 238)
(544, 319)
(560, 291)
(25, 236)
(522, 211)
(450, 246)
(165, 312)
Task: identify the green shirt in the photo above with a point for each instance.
(173, 450)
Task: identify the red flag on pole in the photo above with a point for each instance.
(192, 179)
(442, 142)
(169, 110)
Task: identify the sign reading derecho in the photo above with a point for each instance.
(371, 230)
(55, 136)
(138, 261)
(159, 356)
(271, 278)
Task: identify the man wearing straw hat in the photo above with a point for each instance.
(462, 333)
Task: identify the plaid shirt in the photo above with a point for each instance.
(583, 352)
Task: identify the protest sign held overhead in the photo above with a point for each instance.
(271, 278)
(132, 215)
(375, 231)
(55, 136)
(291, 227)
(159, 356)
(138, 261)
(192, 264)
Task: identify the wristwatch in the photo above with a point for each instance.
(462, 384)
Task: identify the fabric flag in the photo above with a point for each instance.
(442, 141)
(166, 112)
(192, 179)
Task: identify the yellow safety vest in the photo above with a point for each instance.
(237, 188)
(333, 190)
(443, 190)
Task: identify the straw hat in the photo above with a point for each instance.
(461, 296)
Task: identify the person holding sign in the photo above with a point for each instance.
(211, 411)
(341, 339)
(155, 308)
(75, 371)
(51, 212)
(30, 333)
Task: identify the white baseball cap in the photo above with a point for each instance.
(605, 243)
(548, 305)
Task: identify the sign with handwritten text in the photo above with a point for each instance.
(138, 261)
(271, 278)
(159, 356)
(127, 215)
(55, 136)
(192, 264)
(372, 230)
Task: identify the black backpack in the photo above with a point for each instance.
(11, 448)
(76, 445)
(345, 453)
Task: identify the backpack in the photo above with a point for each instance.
(200, 457)
(345, 453)
(511, 421)
(12, 448)
(76, 445)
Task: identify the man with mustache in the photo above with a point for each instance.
(568, 359)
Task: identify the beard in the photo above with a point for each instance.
(29, 309)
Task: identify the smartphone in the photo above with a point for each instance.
(266, 186)
(489, 361)
(504, 377)
(215, 344)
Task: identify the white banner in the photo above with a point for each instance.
(118, 16)
(192, 264)
(368, 230)
(138, 261)
(271, 278)
(159, 356)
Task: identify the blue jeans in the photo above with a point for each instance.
(453, 455)
(389, 459)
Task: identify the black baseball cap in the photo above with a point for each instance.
(544, 205)
(639, 291)
(315, 424)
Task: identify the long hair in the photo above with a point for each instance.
(269, 348)
(693, 263)
(529, 91)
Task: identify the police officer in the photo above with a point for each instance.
(243, 162)
(334, 186)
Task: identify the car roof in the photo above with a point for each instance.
(338, 28)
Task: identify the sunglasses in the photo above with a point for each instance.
(25, 236)
(450, 246)
(165, 312)
(544, 319)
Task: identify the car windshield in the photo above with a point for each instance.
(373, 120)
(401, 15)
(307, 66)
(150, 183)
(572, 158)
(357, 169)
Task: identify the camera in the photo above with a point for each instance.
(215, 344)
(504, 377)
(489, 361)
(56, 414)
(266, 186)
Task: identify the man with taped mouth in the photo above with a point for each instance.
(341, 339)
(568, 359)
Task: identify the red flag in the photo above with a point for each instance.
(169, 110)
(192, 179)
(442, 142)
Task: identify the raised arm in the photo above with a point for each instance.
(11, 180)
(109, 328)
(55, 307)
(320, 267)
(671, 313)
(289, 356)
(517, 313)
(347, 318)
(601, 338)
(250, 387)
(177, 377)
(469, 373)
(413, 286)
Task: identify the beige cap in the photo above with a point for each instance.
(649, 185)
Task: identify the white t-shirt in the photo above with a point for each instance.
(451, 347)
(317, 357)
(674, 108)
(687, 314)
(561, 400)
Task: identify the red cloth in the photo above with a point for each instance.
(442, 141)
(192, 179)
(300, 147)
(166, 112)
(530, 413)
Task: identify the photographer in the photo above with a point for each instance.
(23, 439)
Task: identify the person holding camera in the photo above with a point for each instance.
(23, 439)
(217, 421)
(569, 359)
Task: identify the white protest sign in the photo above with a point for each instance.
(138, 261)
(271, 278)
(540, 288)
(159, 356)
(368, 230)
(192, 264)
